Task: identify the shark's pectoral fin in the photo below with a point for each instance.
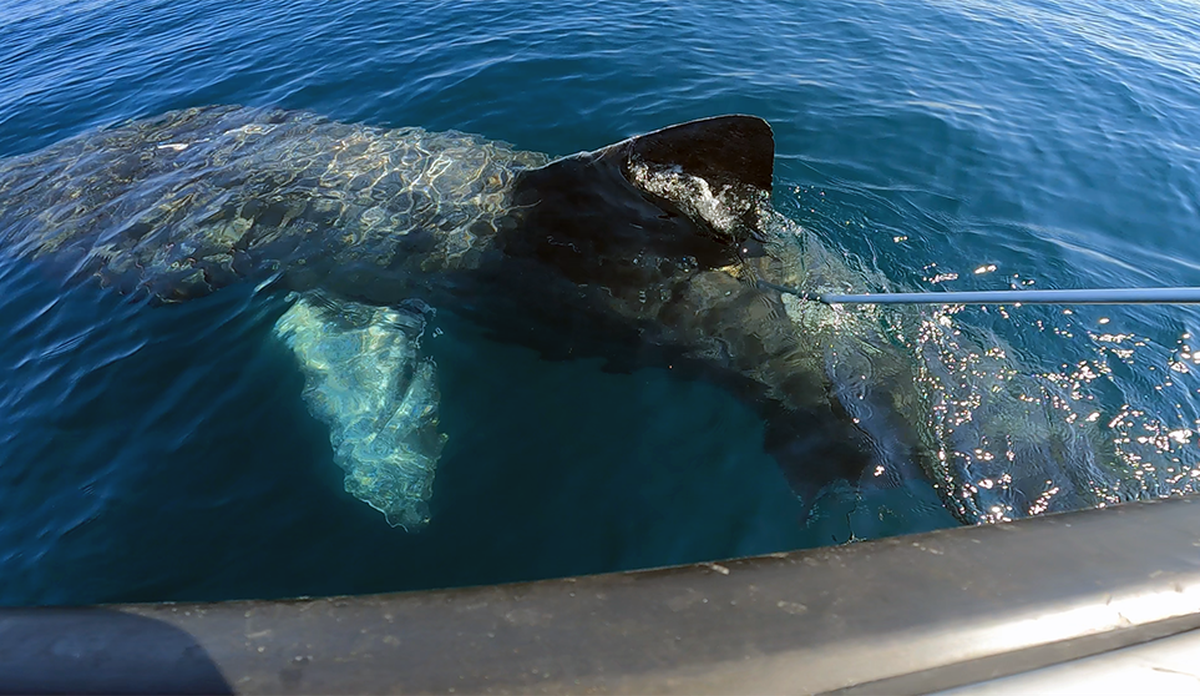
(366, 379)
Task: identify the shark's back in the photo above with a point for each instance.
(193, 200)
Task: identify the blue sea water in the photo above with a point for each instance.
(165, 453)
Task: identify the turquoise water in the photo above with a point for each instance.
(151, 454)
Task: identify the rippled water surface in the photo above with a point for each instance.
(153, 453)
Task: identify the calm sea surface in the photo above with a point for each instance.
(165, 454)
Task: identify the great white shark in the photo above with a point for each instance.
(658, 251)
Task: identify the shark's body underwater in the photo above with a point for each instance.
(646, 253)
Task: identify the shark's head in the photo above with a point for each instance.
(678, 199)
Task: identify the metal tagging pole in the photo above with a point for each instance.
(1109, 296)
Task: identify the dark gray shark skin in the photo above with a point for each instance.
(646, 253)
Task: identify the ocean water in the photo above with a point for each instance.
(164, 453)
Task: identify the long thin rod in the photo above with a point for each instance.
(1091, 296)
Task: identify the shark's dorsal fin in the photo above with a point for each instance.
(635, 212)
(731, 150)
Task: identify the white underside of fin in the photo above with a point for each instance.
(365, 378)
